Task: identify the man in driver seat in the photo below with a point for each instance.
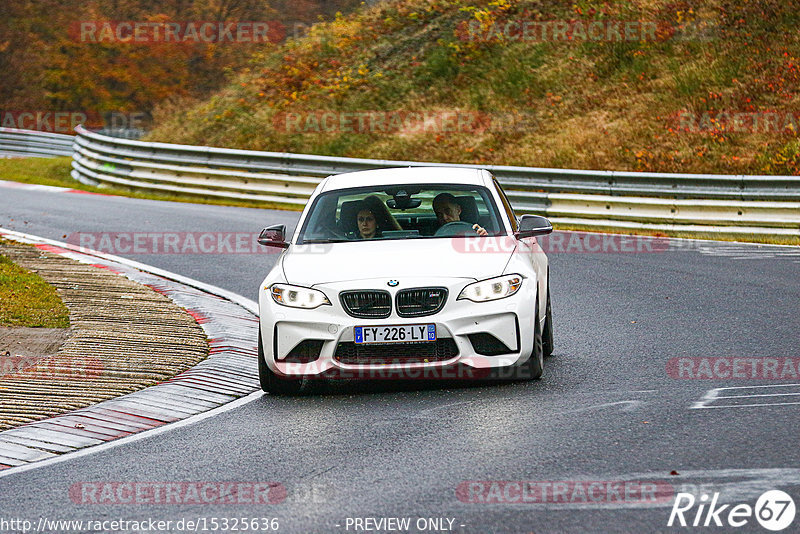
(448, 210)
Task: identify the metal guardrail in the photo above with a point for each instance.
(125, 133)
(717, 204)
(610, 200)
(30, 143)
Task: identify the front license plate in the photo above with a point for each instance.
(407, 333)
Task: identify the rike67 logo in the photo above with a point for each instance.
(774, 510)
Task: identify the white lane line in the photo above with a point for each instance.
(135, 437)
(747, 405)
(758, 395)
(762, 387)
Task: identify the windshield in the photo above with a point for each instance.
(416, 211)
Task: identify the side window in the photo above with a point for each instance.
(506, 205)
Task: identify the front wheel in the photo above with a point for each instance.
(272, 383)
(534, 367)
(547, 335)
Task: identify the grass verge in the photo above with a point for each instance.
(27, 300)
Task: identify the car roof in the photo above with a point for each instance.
(407, 175)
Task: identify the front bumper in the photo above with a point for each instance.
(509, 320)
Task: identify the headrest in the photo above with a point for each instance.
(348, 215)
(469, 208)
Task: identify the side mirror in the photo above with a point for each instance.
(273, 236)
(533, 225)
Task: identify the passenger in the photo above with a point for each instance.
(448, 210)
(367, 225)
(373, 218)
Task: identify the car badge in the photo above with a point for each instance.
(393, 283)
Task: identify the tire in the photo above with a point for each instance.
(534, 367)
(272, 383)
(547, 334)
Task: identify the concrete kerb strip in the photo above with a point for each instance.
(227, 319)
(153, 340)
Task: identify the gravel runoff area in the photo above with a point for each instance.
(123, 337)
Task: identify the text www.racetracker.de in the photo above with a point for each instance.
(196, 524)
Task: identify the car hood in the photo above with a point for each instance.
(307, 265)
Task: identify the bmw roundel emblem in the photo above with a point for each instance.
(393, 283)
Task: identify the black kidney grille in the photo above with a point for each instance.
(420, 301)
(370, 304)
(395, 353)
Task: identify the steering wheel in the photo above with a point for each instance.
(452, 229)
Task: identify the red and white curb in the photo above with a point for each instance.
(229, 373)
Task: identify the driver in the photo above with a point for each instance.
(448, 210)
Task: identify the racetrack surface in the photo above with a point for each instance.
(606, 409)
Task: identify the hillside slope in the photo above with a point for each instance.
(711, 89)
(50, 64)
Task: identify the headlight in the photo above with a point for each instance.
(492, 289)
(298, 297)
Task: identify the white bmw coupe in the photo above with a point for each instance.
(405, 273)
